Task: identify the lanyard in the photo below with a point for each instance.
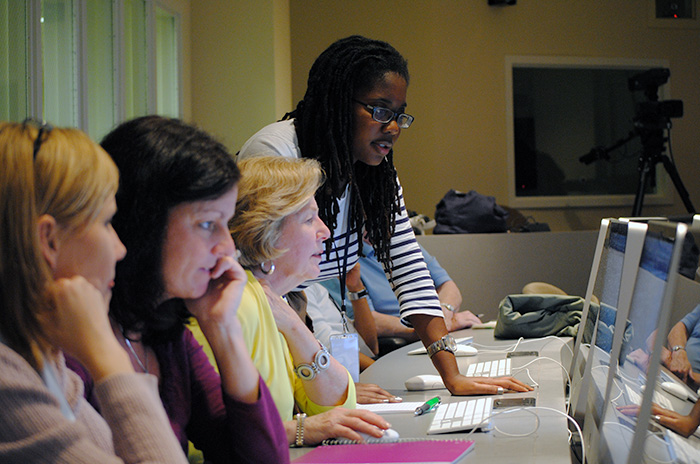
(342, 277)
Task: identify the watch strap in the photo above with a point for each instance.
(446, 343)
(354, 296)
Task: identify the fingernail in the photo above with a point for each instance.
(385, 400)
(398, 398)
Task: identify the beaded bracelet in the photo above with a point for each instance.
(300, 429)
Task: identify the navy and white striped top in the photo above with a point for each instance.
(411, 280)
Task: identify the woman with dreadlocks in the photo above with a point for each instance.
(349, 120)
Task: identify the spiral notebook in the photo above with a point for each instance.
(402, 451)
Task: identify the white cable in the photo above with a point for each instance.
(521, 435)
(554, 337)
(501, 349)
(530, 409)
(533, 382)
(614, 400)
(568, 377)
(521, 340)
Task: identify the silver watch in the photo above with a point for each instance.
(446, 343)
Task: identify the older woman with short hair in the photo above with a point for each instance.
(280, 236)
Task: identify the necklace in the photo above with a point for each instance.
(143, 366)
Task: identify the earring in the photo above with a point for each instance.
(267, 271)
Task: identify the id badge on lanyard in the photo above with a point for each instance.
(345, 348)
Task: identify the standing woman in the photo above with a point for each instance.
(349, 120)
(178, 191)
(58, 251)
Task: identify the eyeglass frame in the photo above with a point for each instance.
(44, 128)
(394, 115)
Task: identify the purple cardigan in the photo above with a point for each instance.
(224, 429)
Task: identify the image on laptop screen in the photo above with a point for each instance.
(626, 438)
(613, 291)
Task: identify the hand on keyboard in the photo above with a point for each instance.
(461, 385)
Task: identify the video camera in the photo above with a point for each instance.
(654, 114)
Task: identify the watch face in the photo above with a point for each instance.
(450, 343)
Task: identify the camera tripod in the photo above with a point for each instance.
(652, 154)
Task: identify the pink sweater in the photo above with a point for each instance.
(133, 428)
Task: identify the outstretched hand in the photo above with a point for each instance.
(460, 320)
(461, 385)
(369, 393)
(684, 425)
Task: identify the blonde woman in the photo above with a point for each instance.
(280, 236)
(58, 253)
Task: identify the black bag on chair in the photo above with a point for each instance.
(469, 213)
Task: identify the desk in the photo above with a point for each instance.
(548, 444)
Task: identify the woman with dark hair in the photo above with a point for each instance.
(177, 192)
(349, 120)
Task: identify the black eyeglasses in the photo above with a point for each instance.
(44, 129)
(385, 115)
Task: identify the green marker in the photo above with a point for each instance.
(427, 406)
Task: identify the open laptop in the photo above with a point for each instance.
(614, 286)
(618, 243)
(632, 374)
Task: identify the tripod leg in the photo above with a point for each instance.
(644, 166)
(678, 183)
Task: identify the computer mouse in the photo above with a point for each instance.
(678, 390)
(466, 350)
(424, 382)
(389, 435)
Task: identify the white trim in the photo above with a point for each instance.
(80, 87)
(35, 70)
(118, 60)
(151, 68)
(177, 17)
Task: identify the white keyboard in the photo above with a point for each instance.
(496, 368)
(461, 415)
(659, 399)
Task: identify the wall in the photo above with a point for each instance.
(456, 51)
(240, 66)
(489, 267)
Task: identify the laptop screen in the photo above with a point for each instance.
(625, 438)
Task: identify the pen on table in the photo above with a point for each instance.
(427, 406)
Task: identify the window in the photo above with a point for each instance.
(14, 61)
(88, 64)
(572, 139)
(168, 73)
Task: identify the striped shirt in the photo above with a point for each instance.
(410, 280)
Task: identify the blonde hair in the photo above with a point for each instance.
(271, 189)
(70, 178)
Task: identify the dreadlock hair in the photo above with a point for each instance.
(325, 125)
